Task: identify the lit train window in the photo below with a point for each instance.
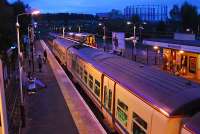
(90, 81)
(97, 88)
(85, 76)
(139, 126)
(122, 110)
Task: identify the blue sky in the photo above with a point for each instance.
(94, 6)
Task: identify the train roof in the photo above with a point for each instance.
(169, 94)
(193, 124)
(65, 43)
(79, 34)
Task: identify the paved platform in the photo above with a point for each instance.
(46, 110)
(84, 119)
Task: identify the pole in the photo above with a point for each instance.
(79, 29)
(20, 67)
(147, 55)
(3, 112)
(20, 78)
(63, 32)
(134, 43)
(104, 32)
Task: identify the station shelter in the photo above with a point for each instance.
(181, 57)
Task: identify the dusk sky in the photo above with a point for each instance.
(94, 6)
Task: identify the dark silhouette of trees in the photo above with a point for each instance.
(8, 13)
(184, 17)
(189, 16)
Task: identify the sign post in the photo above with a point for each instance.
(3, 112)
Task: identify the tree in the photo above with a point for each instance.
(6, 25)
(8, 14)
(135, 19)
(189, 16)
(175, 13)
(161, 27)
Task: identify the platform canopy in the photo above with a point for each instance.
(189, 46)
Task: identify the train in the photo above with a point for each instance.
(86, 38)
(133, 98)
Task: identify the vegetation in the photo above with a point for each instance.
(185, 17)
(8, 13)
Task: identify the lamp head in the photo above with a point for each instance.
(35, 12)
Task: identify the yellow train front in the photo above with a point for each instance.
(86, 38)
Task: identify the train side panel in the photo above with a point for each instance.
(132, 114)
(60, 52)
(108, 99)
(185, 131)
(89, 78)
(163, 124)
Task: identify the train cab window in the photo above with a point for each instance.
(122, 110)
(97, 88)
(139, 126)
(81, 72)
(90, 81)
(85, 76)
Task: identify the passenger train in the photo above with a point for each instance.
(132, 97)
(86, 38)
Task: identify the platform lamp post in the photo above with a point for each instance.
(79, 29)
(20, 60)
(104, 35)
(156, 48)
(134, 41)
(63, 32)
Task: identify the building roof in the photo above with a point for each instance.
(178, 42)
(186, 45)
(65, 43)
(193, 124)
(159, 89)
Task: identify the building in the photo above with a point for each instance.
(181, 55)
(150, 13)
(113, 14)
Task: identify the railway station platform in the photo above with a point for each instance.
(59, 108)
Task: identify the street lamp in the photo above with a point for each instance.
(104, 30)
(20, 56)
(156, 48)
(79, 29)
(63, 31)
(134, 40)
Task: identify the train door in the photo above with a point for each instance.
(108, 95)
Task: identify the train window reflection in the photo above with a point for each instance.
(110, 100)
(139, 126)
(97, 88)
(90, 81)
(81, 72)
(85, 76)
(122, 109)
